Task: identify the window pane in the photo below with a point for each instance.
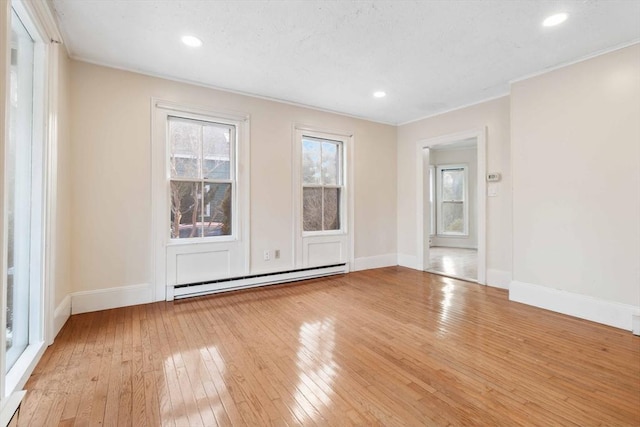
(453, 184)
(216, 151)
(19, 158)
(216, 218)
(185, 147)
(311, 168)
(453, 217)
(312, 209)
(330, 163)
(185, 209)
(331, 208)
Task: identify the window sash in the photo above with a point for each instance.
(461, 201)
(200, 155)
(339, 185)
(202, 181)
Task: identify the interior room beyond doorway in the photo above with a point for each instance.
(455, 262)
(453, 236)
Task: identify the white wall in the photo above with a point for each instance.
(110, 170)
(63, 225)
(576, 198)
(469, 157)
(495, 116)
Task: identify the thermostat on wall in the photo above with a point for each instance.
(493, 177)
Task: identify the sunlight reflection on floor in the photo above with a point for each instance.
(317, 368)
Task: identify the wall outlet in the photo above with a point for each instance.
(276, 254)
(267, 256)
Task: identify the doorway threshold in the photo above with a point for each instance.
(451, 276)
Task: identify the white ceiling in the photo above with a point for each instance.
(429, 56)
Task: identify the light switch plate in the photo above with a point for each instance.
(493, 190)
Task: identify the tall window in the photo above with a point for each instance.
(452, 200)
(202, 184)
(322, 184)
(23, 174)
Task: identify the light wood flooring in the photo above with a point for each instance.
(390, 347)
(455, 262)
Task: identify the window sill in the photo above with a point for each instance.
(24, 366)
(201, 240)
(455, 236)
(323, 233)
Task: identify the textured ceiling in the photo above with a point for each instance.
(429, 56)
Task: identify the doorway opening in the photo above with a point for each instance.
(452, 205)
(453, 200)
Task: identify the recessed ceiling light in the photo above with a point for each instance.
(191, 41)
(379, 94)
(556, 19)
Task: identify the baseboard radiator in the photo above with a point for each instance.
(252, 281)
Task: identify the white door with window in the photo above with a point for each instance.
(322, 202)
(200, 196)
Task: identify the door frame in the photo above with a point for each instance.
(423, 214)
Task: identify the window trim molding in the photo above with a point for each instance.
(439, 201)
(432, 201)
(348, 165)
(159, 239)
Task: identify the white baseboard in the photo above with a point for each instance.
(410, 261)
(585, 307)
(103, 299)
(61, 315)
(498, 278)
(378, 261)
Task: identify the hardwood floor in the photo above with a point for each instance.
(389, 347)
(456, 262)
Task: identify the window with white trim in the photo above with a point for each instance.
(27, 208)
(452, 200)
(432, 202)
(322, 184)
(202, 177)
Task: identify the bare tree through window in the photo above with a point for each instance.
(201, 178)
